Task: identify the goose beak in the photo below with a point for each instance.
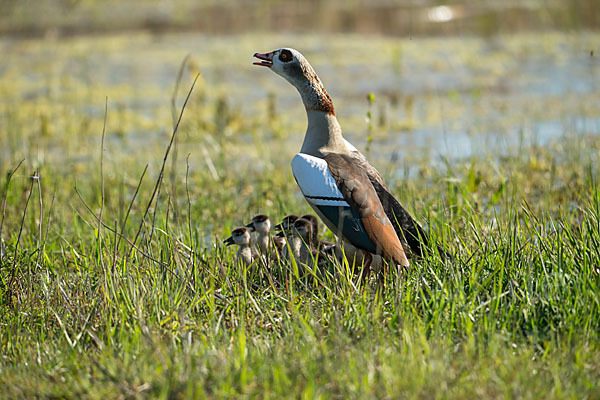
(228, 241)
(251, 227)
(266, 59)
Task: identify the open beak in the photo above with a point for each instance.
(228, 241)
(266, 59)
(251, 227)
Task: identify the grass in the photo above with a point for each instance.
(86, 313)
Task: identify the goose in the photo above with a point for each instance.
(352, 254)
(286, 223)
(286, 233)
(295, 230)
(346, 192)
(303, 248)
(314, 239)
(246, 254)
(261, 224)
(270, 246)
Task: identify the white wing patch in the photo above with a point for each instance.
(315, 181)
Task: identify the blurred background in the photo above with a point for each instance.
(418, 85)
(389, 17)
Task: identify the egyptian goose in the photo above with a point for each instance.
(286, 232)
(261, 224)
(299, 235)
(286, 223)
(352, 254)
(246, 254)
(347, 192)
(303, 250)
(315, 241)
(270, 246)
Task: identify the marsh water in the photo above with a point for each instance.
(432, 98)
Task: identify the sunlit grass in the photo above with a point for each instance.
(87, 313)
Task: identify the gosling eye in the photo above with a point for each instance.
(285, 55)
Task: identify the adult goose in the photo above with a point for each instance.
(347, 192)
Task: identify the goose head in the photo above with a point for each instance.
(288, 63)
(293, 67)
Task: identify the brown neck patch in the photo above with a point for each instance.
(323, 99)
(325, 103)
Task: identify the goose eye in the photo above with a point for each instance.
(285, 55)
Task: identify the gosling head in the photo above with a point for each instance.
(314, 221)
(239, 236)
(286, 224)
(261, 223)
(303, 229)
